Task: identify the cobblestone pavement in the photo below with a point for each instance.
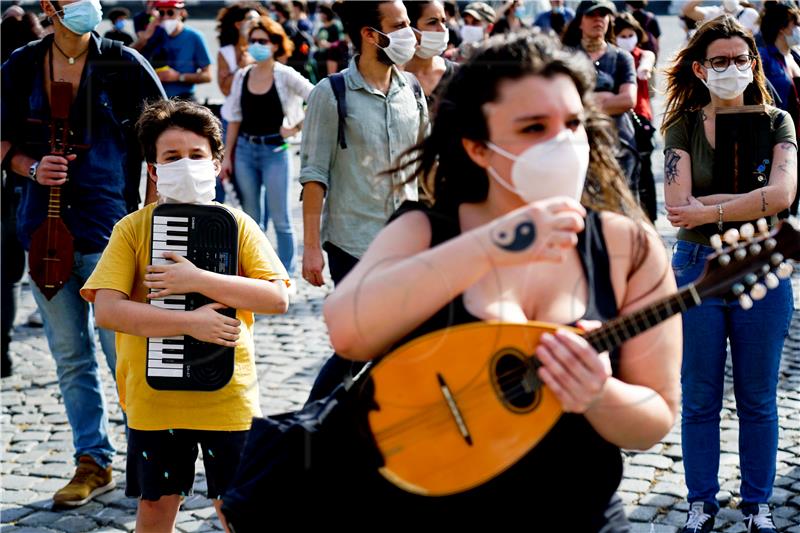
(37, 450)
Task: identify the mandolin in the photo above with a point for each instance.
(455, 408)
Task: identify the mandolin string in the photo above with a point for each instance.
(463, 399)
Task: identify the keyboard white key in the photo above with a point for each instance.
(164, 372)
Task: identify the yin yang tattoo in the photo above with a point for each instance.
(521, 238)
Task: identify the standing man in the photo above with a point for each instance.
(177, 51)
(99, 185)
(118, 16)
(384, 119)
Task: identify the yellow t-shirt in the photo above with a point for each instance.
(122, 268)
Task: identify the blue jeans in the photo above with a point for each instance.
(69, 327)
(756, 341)
(263, 180)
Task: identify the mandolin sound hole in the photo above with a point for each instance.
(515, 381)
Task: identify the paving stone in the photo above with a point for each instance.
(10, 513)
(670, 489)
(656, 461)
(646, 473)
(40, 518)
(653, 528)
(18, 482)
(643, 514)
(634, 485)
(74, 524)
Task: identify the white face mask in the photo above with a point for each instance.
(471, 34)
(187, 181)
(402, 45)
(433, 43)
(170, 25)
(628, 43)
(728, 84)
(556, 167)
(793, 39)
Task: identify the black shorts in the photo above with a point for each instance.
(161, 463)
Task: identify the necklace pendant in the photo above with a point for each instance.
(71, 60)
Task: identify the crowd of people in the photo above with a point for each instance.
(432, 135)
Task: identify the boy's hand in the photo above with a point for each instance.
(182, 277)
(205, 324)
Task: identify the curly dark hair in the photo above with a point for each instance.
(450, 177)
(230, 15)
(159, 116)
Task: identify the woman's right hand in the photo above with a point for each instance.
(540, 231)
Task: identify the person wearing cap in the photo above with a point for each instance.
(99, 186)
(478, 17)
(180, 56)
(592, 32)
(118, 16)
(747, 16)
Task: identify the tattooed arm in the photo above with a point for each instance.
(773, 198)
(401, 281)
(677, 177)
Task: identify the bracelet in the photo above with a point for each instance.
(719, 220)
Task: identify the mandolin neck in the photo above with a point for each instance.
(612, 334)
(54, 204)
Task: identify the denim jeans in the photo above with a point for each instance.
(69, 327)
(756, 339)
(263, 180)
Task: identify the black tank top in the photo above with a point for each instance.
(262, 114)
(569, 478)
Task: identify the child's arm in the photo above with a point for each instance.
(114, 311)
(182, 277)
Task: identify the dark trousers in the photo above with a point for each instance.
(13, 267)
(647, 187)
(336, 368)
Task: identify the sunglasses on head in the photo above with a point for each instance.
(260, 41)
(166, 12)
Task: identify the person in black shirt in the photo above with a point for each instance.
(118, 16)
(509, 150)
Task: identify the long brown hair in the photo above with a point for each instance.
(686, 92)
(448, 174)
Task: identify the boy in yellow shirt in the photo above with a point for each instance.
(183, 148)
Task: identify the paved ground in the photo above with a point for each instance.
(36, 439)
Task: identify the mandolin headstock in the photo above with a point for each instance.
(750, 261)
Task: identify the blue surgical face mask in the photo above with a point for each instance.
(82, 17)
(120, 25)
(260, 52)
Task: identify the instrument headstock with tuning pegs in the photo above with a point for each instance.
(750, 261)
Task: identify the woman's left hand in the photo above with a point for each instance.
(689, 216)
(181, 277)
(572, 369)
(288, 132)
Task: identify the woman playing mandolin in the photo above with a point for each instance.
(505, 238)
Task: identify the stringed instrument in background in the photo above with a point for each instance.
(51, 251)
(455, 408)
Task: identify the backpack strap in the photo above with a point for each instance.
(419, 96)
(415, 86)
(340, 92)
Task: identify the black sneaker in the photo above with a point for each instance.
(758, 518)
(700, 518)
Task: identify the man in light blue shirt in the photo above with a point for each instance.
(179, 53)
(384, 119)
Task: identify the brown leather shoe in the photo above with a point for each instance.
(90, 480)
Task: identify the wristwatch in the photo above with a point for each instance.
(182, 78)
(32, 170)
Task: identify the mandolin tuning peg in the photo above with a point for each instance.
(758, 292)
(785, 271)
(747, 231)
(771, 280)
(770, 244)
(731, 236)
(716, 242)
(724, 260)
(746, 302)
(776, 259)
(751, 279)
(740, 254)
(754, 248)
(737, 289)
(762, 225)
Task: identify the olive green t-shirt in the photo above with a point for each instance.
(697, 146)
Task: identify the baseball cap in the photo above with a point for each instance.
(590, 6)
(481, 11)
(161, 4)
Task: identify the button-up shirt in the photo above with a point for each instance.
(379, 128)
(102, 115)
